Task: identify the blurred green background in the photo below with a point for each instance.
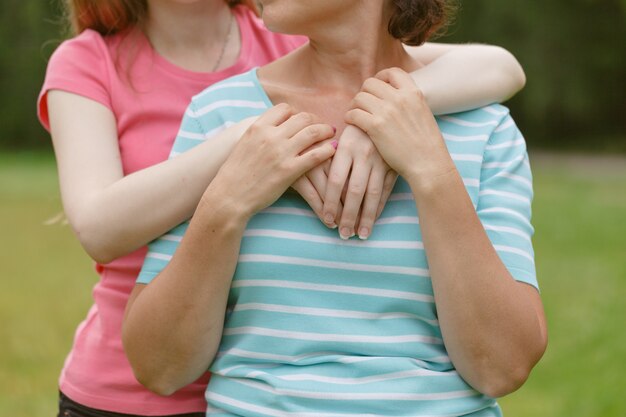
(573, 115)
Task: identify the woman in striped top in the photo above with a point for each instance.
(437, 313)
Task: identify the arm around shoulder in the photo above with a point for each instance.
(459, 77)
(112, 214)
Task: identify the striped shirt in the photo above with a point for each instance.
(319, 326)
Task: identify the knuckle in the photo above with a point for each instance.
(375, 190)
(356, 189)
(284, 107)
(313, 131)
(378, 122)
(317, 157)
(335, 180)
(368, 83)
(368, 149)
(255, 128)
(306, 117)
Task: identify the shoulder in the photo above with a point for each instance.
(224, 104)
(80, 65)
(87, 45)
(480, 124)
(479, 134)
(484, 119)
(90, 49)
(238, 87)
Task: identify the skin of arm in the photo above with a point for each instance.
(494, 327)
(495, 76)
(494, 72)
(171, 346)
(113, 214)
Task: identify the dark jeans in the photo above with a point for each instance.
(69, 408)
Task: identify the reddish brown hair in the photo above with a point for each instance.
(111, 16)
(415, 21)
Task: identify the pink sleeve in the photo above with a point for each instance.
(78, 66)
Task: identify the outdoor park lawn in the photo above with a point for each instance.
(580, 244)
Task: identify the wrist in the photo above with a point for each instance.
(221, 208)
(427, 182)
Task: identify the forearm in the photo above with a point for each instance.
(118, 218)
(489, 322)
(463, 77)
(173, 327)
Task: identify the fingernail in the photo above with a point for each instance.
(334, 143)
(329, 218)
(345, 233)
(364, 233)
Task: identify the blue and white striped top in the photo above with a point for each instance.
(322, 327)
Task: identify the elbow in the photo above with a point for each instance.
(158, 384)
(498, 384)
(516, 75)
(498, 380)
(510, 70)
(92, 238)
(149, 372)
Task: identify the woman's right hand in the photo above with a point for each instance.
(273, 153)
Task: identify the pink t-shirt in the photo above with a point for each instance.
(148, 112)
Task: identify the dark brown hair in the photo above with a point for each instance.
(415, 21)
(111, 16)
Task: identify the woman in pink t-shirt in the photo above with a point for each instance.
(113, 99)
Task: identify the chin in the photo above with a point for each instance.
(279, 21)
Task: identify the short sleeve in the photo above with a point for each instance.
(505, 197)
(160, 252)
(78, 66)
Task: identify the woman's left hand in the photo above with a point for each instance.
(392, 110)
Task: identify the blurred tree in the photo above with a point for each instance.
(573, 51)
(27, 34)
(574, 55)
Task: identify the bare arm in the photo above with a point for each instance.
(462, 77)
(170, 346)
(454, 78)
(113, 214)
(494, 327)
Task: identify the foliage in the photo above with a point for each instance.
(577, 212)
(575, 60)
(572, 50)
(28, 35)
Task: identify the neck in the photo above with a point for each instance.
(190, 35)
(345, 52)
(350, 62)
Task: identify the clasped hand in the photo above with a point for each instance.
(351, 190)
(348, 189)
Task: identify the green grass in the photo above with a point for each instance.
(580, 243)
